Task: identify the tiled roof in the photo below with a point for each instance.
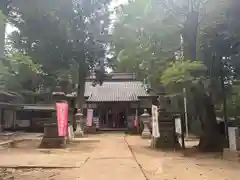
(115, 91)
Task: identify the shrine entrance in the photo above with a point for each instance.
(113, 116)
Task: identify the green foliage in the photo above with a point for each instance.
(60, 35)
(144, 38)
(181, 72)
(18, 71)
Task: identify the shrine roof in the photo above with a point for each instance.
(115, 91)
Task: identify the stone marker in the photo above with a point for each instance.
(50, 138)
(168, 138)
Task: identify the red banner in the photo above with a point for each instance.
(62, 118)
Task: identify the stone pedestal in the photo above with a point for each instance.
(79, 122)
(90, 130)
(146, 134)
(51, 139)
(168, 138)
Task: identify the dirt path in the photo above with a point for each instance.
(111, 157)
(159, 165)
(103, 157)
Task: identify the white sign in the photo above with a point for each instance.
(233, 134)
(155, 127)
(178, 126)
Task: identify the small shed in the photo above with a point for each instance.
(31, 117)
(7, 108)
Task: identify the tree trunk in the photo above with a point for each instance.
(4, 8)
(81, 86)
(211, 139)
(190, 32)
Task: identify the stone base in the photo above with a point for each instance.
(231, 155)
(79, 131)
(90, 130)
(57, 142)
(146, 134)
(162, 143)
(78, 134)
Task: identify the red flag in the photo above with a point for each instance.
(62, 118)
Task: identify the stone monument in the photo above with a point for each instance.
(50, 138)
(168, 138)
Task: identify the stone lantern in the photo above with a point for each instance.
(79, 121)
(145, 118)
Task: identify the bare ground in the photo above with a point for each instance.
(111, 157)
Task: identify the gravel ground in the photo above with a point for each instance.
(111, 157)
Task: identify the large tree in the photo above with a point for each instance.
(65, 37)
(209, 33)
(144, 39)
(207, 36)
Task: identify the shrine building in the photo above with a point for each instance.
(117, 104)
